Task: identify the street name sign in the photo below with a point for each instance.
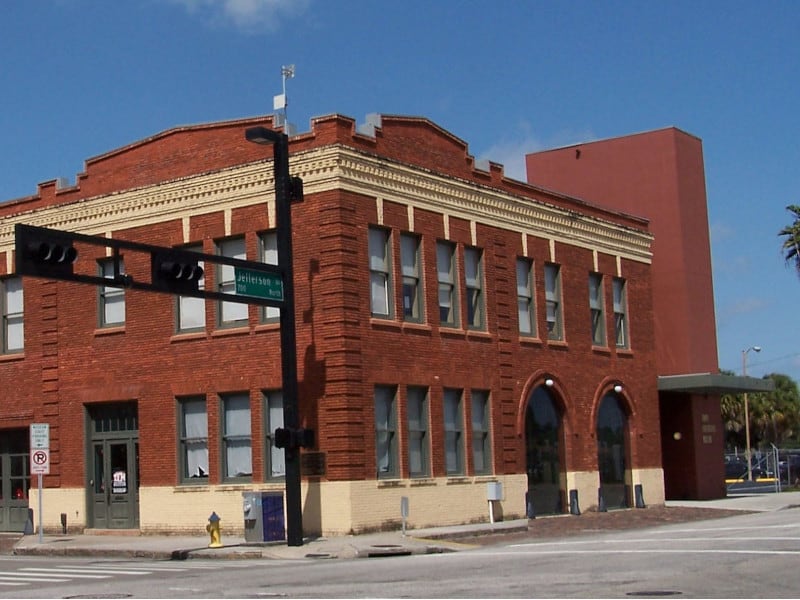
(258, 284)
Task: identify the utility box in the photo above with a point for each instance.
(494, 490)
(263, 516)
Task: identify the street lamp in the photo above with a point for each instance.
(283, 233)
(747, 413)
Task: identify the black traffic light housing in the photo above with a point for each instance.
(176, 271)
(44, 253)
(294, 438)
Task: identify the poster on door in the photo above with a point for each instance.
(119, 482)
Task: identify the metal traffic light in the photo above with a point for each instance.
(176, 271)
(44, 253)
(294, 438)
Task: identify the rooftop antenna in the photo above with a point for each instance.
(280, 102)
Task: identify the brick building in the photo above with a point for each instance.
(660, 175)
(456, 330)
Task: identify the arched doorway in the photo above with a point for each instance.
(543, 433)
(612, 449)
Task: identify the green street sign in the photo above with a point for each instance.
(258, 284)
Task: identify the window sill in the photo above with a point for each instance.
(109, 330)
(458, 480)
(452, 332)
(602, 350)
(481, 335)
(10, 357)
(192, 486)
(386, 323)
(232, 331)
(625, 352)
(531, 341)
(558, 344)
(414, 326)
(270, 326)
(390, 483)
(187, 336)
(422, 482)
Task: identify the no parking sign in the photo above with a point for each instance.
(40, 449)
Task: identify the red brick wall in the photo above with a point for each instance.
(342, 352)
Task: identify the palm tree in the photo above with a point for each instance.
(791, 244)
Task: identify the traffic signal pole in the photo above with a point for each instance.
(283, 232)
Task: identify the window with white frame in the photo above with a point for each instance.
(597, 309)
(526, 312)
(418, 441)
(380, 272)
(193, 440)
(12, 305)
(268, 254)
(412, 281)
(192, 311)
(552, 293)
(230, 314)
(453, 432)
(481, 435)
(620, 312)
(236, 438)
(446, 273)
(275, 464)
(386, 431)
(111, 299)
(473, 279)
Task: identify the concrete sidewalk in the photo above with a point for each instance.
(417, 541)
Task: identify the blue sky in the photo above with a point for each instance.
(81, 77)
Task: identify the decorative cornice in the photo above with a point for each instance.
(330, 168)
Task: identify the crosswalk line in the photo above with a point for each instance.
(34, 578)
(12, 583)
(78, 572)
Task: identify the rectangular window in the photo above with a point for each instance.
(412, 282)
(481, 438)
(620, 312)
(473, 279)
(12, 335)
(193, 440)
(597, 309)
(525, 299)
(448, 298)
(380, 272)
(552, 293)
(112, 299)
(231, 314)
(192, 311)
(386, 431)
(268, 254)
(273, 414)
(453, 432)
(236, 443)
(418, 442)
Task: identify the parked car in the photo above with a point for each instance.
(736, 468)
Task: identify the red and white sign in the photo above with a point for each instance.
(40, 461)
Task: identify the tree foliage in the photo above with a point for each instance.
(791, 239)
(774, 416)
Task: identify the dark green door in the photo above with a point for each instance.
(14, 479)
(113, 486)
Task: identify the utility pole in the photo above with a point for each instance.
(286, 188)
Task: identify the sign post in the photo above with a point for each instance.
(40, 460)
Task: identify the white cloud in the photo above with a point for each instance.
(510, 151)
(246, 15)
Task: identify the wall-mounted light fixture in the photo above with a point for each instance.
(618, 388)
(549, 382)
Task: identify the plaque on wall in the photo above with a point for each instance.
(312, 464)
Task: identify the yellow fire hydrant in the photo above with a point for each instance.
(213, 530)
